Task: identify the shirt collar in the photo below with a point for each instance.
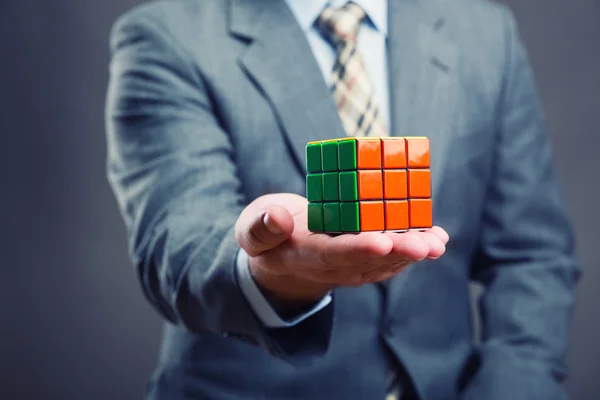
(307, 11)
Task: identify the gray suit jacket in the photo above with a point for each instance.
(210, 105)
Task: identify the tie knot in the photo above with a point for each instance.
(341, 24)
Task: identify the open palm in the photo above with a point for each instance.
(346, 259)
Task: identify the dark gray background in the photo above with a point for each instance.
(73, 323)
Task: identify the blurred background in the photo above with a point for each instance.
(73, 322)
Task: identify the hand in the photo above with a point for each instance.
(294, 264)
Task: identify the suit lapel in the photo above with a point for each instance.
(281, 63)
(421, 64)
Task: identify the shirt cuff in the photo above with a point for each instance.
(259, 303)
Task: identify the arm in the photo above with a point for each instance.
(526, 259)
(170, 166)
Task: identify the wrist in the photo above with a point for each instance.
(296, 292)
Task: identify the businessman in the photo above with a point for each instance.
(210, 105)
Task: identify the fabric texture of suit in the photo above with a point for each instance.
(210, 105)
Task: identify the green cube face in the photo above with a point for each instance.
(314, 187)
(331, 186)
(347, 154)
(331, 217)
(313, 157)
(350, 217)
(329, 155)
(332, 178)
(349, 186)
(315, 217)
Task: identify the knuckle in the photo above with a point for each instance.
(255, 239)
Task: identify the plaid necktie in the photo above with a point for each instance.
(353, 93)
(352, 90)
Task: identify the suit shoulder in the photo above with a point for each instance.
(483, 20)
(476, 16)
(483, 33)
(172, 17)
(464, 9)
(478, 27)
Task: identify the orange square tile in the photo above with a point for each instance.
(419, 183)
(417, 152)
(368, 153)
(371, 216)
(370, 184)
(396, 215)
(393, 152)
(420, 213)
(394, 184)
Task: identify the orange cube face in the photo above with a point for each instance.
(419, 183)
(393, 153)
(394, 184)
(396, 215)
(420, 213)
(368, 153)
(417, 152)
(372, 216)
(370, 185)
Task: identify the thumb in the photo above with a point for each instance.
(265, 230)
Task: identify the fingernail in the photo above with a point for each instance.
(271, 226)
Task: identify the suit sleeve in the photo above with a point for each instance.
(171, 166)
(526, 258)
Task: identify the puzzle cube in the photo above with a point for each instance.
(368, 184)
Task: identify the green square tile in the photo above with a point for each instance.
(315, 217)
(313, 157)
(347, 154)
(350, 217)
(331, 186)
(314, 187)
(329, 155)
(331, 217)
(349, 186)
